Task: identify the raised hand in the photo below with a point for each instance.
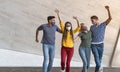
(74, 17)
(107, 7)
(57, 11)
(109, 16)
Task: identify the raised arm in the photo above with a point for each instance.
(57, 12)
(61, 23)
(74, 17)
(78, 25)
(109, 16)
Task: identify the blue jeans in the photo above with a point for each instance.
(48, 52)
(97, 50)
(85, 54)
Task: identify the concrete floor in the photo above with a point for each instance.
(39, 69)
(19, 20)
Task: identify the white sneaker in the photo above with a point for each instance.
(101, 69)
(62, 70)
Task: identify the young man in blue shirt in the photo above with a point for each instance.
(98, 32)
(48, 40)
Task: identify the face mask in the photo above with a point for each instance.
(94, 23)
(68, 28)
(53, 23)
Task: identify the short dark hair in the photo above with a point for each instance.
(94, 17)
(50, 17)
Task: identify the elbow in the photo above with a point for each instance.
(37, 31)
(110, 18)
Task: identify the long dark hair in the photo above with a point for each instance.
(65, 32)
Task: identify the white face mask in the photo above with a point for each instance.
(68, 28)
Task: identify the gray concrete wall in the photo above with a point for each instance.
(116, 58)
(20, 18)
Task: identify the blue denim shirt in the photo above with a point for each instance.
(48, 33)
(98, 32)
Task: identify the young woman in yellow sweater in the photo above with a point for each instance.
(67, 49)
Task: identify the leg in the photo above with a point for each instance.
(88, 54)
(63, 58)
(69, 57)
(96, 56)
(100, 50)
(46, 56)
(51, 57)
(83, 57)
